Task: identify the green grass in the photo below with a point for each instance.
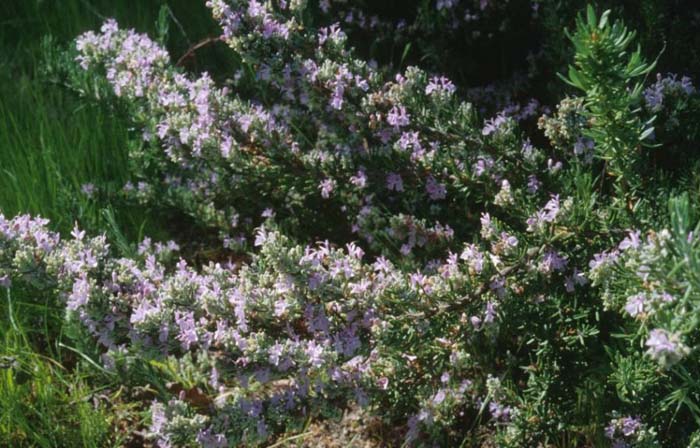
(51, 143)
(50, 146)
(43, 402)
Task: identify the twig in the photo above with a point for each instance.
(289, 439)
(196, 47)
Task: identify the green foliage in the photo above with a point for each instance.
(42, 402)
(607, 73)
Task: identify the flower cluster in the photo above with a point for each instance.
(629, 431)
(666, 86)
(654, 300)
(336, 133)
(296, 326)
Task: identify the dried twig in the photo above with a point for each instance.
(190, 51)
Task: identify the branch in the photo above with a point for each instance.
(190, 51)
